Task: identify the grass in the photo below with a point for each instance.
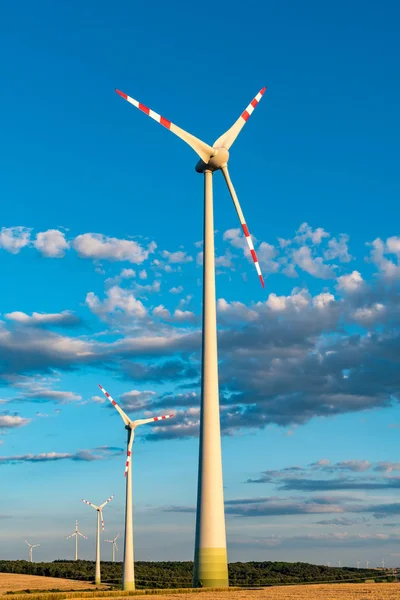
(53, 595)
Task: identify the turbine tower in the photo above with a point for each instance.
(31, 546)
(76, 533)
(128, 575)
(99, 509)
(114, 546)
(210, 557)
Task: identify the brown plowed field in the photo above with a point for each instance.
(13, 582)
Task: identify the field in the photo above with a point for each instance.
(11, 582)
(359, 591)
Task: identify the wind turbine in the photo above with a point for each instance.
(128, 575)
(99, 518)
(358, 564)
(210, 559)
(114, 546)
(367, 564)
(76, 533)
(31, 546)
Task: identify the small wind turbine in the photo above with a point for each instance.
(99, 518)
(383, 563)
(358, 564)
(31, 546)
(128, 577)
(210, 556)
(339, 562)
(114, 546)
(329, 564)
(76, 533)
(367, 564)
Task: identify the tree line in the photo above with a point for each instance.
(170, 574)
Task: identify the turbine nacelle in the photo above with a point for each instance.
(217, 161)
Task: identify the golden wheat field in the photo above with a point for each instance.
(13, 582)
(359, 591)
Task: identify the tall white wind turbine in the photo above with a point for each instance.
(100, 518)
(128, 575)
(210, 558)
(76, 533)
(31, 546)
(114, 546)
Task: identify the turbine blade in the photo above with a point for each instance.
(116, 537)
(249, 241)
(116, 547)
(70, 536)
(129, 452)
(27, 543)
(109, 541)
(144, 421)
(104, 503)
(90, 504)
(81, 534)
(102, 520)
(226, 140)
(124, 416)
(201, 148)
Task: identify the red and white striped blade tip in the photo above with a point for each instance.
(163, 417)
(122, 94)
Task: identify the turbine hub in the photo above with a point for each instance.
(218, 160)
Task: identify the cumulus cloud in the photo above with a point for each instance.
(8, 421)
(51, 243)
(177, 257)
(306, 233)
(350, 283)
(313, 265)
(100, 247)
(338, 248)
(65, 318)
(13, 239)
(118, 300)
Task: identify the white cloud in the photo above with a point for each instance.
(51, 243)
(117, 300)
(143, 274)
(63, 318)
(338, 248)
(98, 246)
(350, 283)
(176, 290)
(388, 269)
(177, 257)
(179, 316)
(314, 266)
(12, 421)
(322, 300)
(306, 233)
(13, 239)
(298, 300)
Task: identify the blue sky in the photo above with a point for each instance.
(100, 253)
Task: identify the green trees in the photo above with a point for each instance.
(170, 574)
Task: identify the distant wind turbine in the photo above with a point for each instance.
(99, 518)
(339, 562)
(367, 563)
(114, 546)
(358, 564)
(31, 546)
(128, 576)
(210, 556)
(76, 533)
